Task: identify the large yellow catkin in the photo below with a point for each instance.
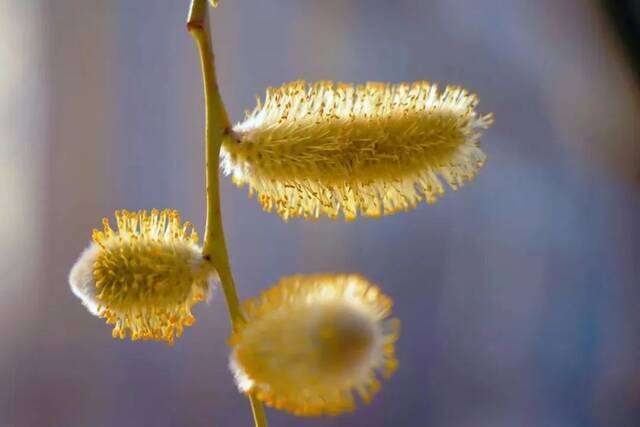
(311, 342)
(143, 277)
(319, 149)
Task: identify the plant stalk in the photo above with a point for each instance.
(216, 127)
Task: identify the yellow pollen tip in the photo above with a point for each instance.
(323, 149)
(145, 277)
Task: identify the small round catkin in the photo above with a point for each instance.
(145, 276)
(311, 342)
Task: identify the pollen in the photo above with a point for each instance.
(311, 343)
(323, 149)
(144, 277)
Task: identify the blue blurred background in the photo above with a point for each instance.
(519, 294)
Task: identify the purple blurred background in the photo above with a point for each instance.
(519, 294)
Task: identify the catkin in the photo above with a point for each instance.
(143, 277)
(319, 149)
(311, 343)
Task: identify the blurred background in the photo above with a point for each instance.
(519, 294)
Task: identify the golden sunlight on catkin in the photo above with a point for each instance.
(375, 149)
(143, 277)
(310, 342)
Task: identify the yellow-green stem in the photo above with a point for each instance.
(216, 126)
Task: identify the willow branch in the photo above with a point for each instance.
(216, 127)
